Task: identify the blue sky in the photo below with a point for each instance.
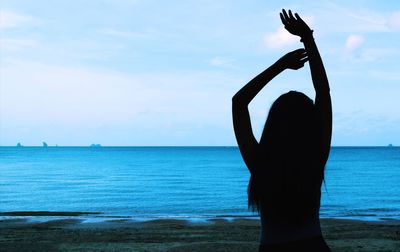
(121, 72)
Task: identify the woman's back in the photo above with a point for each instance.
(285, 189)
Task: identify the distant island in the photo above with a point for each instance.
(95, 145)
(45, 144)
(19, 145)
(390, 145)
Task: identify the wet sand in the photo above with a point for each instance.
(177, 235)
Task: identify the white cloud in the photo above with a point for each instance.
(53, 99)
(383, 75)
(360, 127)
(16, 44)
(379, 54)
(280, 38)
(220, 61)
(148, 33)
(73, 94)
(394, 21)
(354, 41)
(336, 18)
(118, 33)
(10, 19)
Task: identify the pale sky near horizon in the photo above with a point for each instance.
(120, 72)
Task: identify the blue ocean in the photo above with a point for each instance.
(182, 182)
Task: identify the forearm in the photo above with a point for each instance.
(322, 99)
(318, 74)
(251, 89)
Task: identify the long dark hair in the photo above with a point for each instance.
(288, 176)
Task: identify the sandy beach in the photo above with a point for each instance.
(72, 234)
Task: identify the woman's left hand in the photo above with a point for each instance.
(295, 59)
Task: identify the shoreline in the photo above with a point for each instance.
(219, 234)
(98, 217)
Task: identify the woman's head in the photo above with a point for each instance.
(291, 123)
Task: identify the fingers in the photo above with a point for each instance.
(288, 17)
(301, 55)
(300, 51)
(284, 22)
(304, 57)
(304, 60)
(298, 17)
(291, 15)
(285, 15)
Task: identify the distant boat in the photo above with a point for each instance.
(19, 145)
(95, 145)
(45, 144)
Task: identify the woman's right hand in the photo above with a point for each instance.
(295, 59)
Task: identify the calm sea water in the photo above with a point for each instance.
(182, 182)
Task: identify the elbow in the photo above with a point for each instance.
(235, 101)
(238, 101)
(235, 98)
(237, 104)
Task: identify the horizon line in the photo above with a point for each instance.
(122, 146)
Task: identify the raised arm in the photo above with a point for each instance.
(241, 119)
(296, 26)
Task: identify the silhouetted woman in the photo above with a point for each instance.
(287, 164)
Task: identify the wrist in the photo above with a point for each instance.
(308, 36)
(280, 65)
